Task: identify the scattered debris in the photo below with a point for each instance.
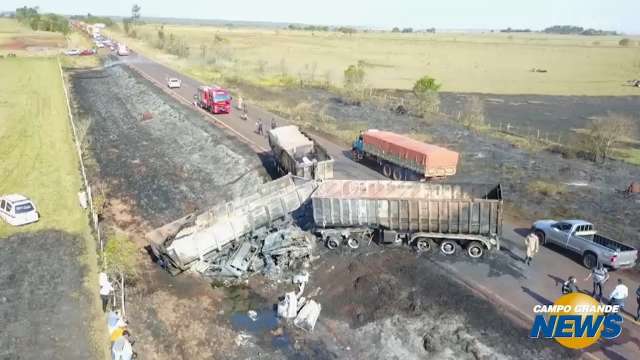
(288, 307)
(147, 116)
(242, 339)
(634, 188)
(308, 316)
(253, 315)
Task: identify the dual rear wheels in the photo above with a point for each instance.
(474, 249)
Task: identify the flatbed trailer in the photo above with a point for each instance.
(423, 215)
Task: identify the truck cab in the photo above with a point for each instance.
(357, 147)
(580, 237)
(214, 99)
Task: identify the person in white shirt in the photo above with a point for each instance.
(105, 290)
(619, 294)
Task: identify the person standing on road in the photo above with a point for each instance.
(638, 301)
(105, 290)
(569, 286)
(619, 294)
(259, 130)
(240, 103)
(273, 123)
(533, 245)
(600, 275)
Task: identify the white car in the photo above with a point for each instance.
(174, 83)
(17, 210)
(72, 52)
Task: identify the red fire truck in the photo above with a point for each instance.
(214, 99)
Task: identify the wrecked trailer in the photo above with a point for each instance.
(423, 215)
(182, 242)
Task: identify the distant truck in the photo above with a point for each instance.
(402, 158)
(580, 237)
(299, 155)
(424, 215)
(123, 50)
(214, 99)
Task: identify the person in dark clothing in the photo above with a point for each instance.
(273, 123)
(569, 286)
(638, 301)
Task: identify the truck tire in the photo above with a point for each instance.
(589, 260)
(423, 244)
(448, 247)
(397, 173)
(332, 243)
(475, 249)
(386, 170)
(541, 236)
(353, 243)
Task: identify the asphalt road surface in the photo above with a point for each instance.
(501, 277)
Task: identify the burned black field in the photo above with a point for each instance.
(44, 304)
(154, 155)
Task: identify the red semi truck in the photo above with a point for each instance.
(214, 99)
(402, 158)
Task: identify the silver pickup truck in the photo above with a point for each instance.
(580, 237)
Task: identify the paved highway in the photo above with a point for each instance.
(503, 278)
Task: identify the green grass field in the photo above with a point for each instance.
(487, 63)
(38, 156)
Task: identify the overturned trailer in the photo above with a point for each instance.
(424, 215)
(298, 154)
(184, 241)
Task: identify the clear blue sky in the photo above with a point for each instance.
(620, 15)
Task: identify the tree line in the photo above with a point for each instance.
(43, 22)
(576, 30)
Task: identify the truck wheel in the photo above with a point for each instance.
(589, 260)
(475, 249)
(448, 247)
(397, 174)
(355, 156)
(423, 244)
(386, 170)
(541, 237)
(353, 243)
(332, 243)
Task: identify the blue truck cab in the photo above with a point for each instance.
(358, 146)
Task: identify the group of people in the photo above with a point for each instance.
(121, 339)
(599, 276)
(260, 127)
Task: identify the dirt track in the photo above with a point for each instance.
(44, 307)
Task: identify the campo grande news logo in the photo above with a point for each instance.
(576, 321)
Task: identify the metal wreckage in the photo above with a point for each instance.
(263, 232)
